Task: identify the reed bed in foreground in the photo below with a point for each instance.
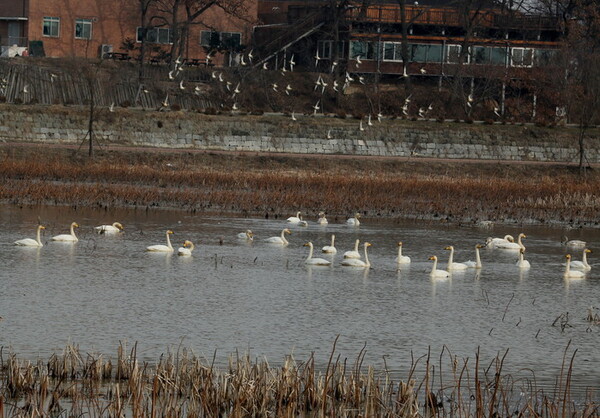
(277, 186)
(182, 384)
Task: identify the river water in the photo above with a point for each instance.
(262, 300)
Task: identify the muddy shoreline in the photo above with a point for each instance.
(275, 185)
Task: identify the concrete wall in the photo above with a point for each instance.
(307, 135)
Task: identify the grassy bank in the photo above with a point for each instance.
(277, 185)
(74, 383)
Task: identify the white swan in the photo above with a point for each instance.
(354, 262)
(322, 219)
(573, 243)
(109, 229)
(302, 222)
(330, 249)
(572, 274)
(315, 261)
(451, 264)
(583, 264)
(477, 263)
(522, 263)
(354, 253)
(281, 239)
(434, 270)
(513, 245)
(248, 235)
(493, 242)
(353, 221)
(294, 219)
(186, 250)
(162, 248)
(402, 259)
(67, 237)
(30, 242)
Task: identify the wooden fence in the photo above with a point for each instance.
(25, 81)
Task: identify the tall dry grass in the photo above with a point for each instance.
(181, 384)
(482, 192)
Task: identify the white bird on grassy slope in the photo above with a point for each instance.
(162, 248)
(67, 237)
(369, 123)
(288, 88)
(280, 239)
(360, 126)
(572, 274)
(294, 117)
(379, 117)
(315, 261)
(330, 249)
(186, 250)
(355, 262)
(316, 107)
(165, 102)
(274, 86)
(115, 228)
(234, 107)
(181, 86)
(329, 134)
(402, 259)
(335, 85)
(317, 83)
(353, 253)
(435, 272)
(111, 108)
(30, 242)
(353, 221)
(265, 66)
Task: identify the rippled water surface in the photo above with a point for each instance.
(261, 299)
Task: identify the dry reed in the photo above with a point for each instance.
(181, 384)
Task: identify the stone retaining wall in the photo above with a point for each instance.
(270, 133)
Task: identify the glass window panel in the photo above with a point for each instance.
(358, 49)
(434, 53)
(83, 29)
(50, 26)
(231, 40)
(480, 55)
(453, 53)
(418, 53)
(388, 51)
(498, 56)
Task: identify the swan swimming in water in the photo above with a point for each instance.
(281, 239)
(162, 248)
(109, 229)
(451, 264)
(67, 237)
(477, 263)
(315, 261)
(354, 262)
(330, 249)
(353, 221)
(302, 222)
(583, 264)
(186, 250)
(402, 259)
(435, 273)
(322, 219)
(354, 253)
(575, 243)
(248, 235)
(30, 242)
(493, 242)
(572, 274)
(513, 245)
(294, 219)
(522, 263)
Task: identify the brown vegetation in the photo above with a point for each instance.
(182, 384)
(274, 185)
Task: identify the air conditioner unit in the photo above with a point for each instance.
(105, 50)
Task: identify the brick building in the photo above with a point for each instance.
(89, 28)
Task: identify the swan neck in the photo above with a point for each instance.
(399, 252)
(285, 241)
(477, 257)
(356, 245)
(584, 258)
(568, 268)
(333, 240)
(434, 265)
(191, 246)
(169, 241)
(367, 262)
(38, 237)
(72, 230)
(310, 252)
(451, 258)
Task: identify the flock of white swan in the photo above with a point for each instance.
(353, 258)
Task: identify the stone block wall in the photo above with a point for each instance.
(313, 135)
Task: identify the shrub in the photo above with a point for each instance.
(176, 107)
(210, 111)
(125, 103)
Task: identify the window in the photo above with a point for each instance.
(155, 35)
(227, 40)
(325, 49)
(488, 55)
(83, 29)
(51, 26)
(545, 57)
(522, 57)
(363, 49)
(392, 51)
(453, 54)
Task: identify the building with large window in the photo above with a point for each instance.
(428, 37)
(90, 28)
